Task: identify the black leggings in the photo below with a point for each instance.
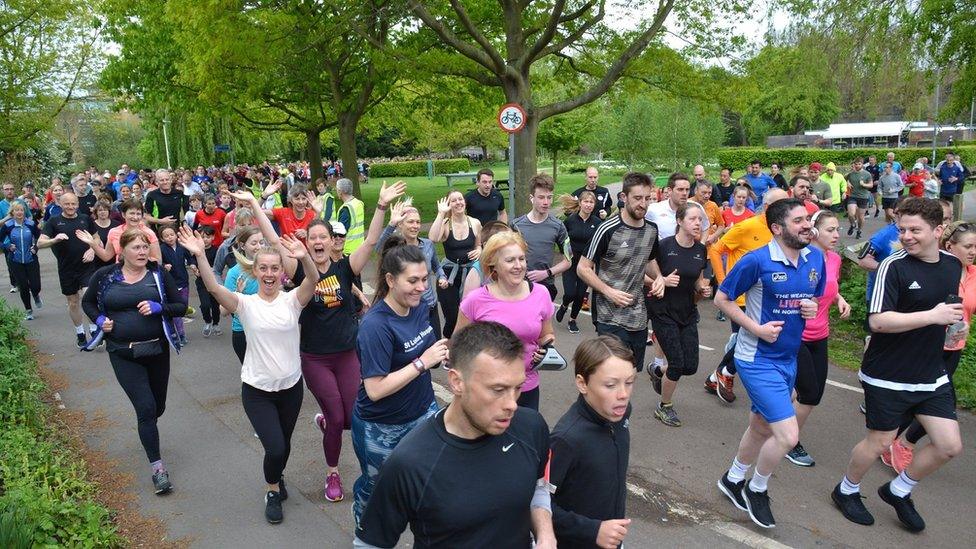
(574, 289)
(209, 306)
(273, 416)
(450, 300)
(680, 347)
(951, 358)
(239, 341)
(811, 372)
(144, 381)
(28, 278)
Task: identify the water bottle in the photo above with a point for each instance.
(953, 330)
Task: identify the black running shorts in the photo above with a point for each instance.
(887, 409)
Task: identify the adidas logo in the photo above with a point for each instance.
(624, 244)
(914, 286)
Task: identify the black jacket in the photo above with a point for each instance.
(588, 468)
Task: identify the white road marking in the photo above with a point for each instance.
(705, 347)
(845, 386)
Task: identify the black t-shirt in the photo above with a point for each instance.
(581, 232)
(102, 233)
(678, 303)
(603, 199)
(459, 493)
(86, 203)
(328, 322)
(69, 252)
(172, 204)
(484, 208)
(907, 285)
(121, 305)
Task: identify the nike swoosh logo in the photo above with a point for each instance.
(507, 448)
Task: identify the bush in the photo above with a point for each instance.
(43, 486)
(418, 168)
(738, 158)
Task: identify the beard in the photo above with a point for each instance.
(794, 241)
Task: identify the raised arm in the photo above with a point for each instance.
(267, 231)
(194, 244)
(359, 258)
(297, 251)
(438, 229)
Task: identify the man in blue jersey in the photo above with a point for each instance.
(780, 281)
(759, 181)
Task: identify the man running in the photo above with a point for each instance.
(780, 282)
(618, 264)
(483, 443)
(903, 372)
(543, 233)
(75, 258)
(485, 203)
(164, 204)
(837, 184)
(860, 182)
(604, 202)
(662, 214)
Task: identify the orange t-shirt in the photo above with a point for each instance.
(744, 237)
(967, 291)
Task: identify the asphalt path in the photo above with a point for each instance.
(215, 460)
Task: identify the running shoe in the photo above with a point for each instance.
(886, 457)
(161, 482)
(725, 386)
(272, 507)
(282, 489)
(757, 503)
(573, 327)
(852, 507)
(81, 340)
(901, 456)
(857, 234)
(207, 330)
(850, 230)
(184, 341)
(561, 313)
(217, 331)
(799, 456)
(733, 491)
(13, 289)
(711, 387)
(877, 212)
(905, 508)
(38, 303)
(333, 488)
(190, 311)
(319, 420)
(655, 378)
(650, 338)
(29, 315)
(667, 415)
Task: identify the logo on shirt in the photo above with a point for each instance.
(624, 244)
(329, 292)
(814, 277)
(673, 253)
(914, 285)
(779, 277)
(507, 447)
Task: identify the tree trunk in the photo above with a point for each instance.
(314, 145)
(555, 153)
(347, 151)
(525, 163)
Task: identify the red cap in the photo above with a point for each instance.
(816, 166)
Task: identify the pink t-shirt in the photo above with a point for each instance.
(524, 317)
(819, 327)
(967, 291)
(115, 235)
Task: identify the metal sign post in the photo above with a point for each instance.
(511, 119)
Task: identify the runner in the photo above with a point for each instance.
(461, 235)
(74, 257)
(397, 348)
(53, 207)
(483, 443)
(780, 281)
(903, 371)
(209, 306)
(476, 275)
(484, 202)
(164, 204)
(800, 185)
(662, 213)
(542, 233)
(248, 242)
(581, 225)
(675, 315)
(837, 183)
(176, 260)
(509, 298)
(111, 250)
(875, 170)
(891, 188)
(19, 235)
(271, 376)
(132, 304)
(591, 448)
(601, 195)
(811, 361)
(738, 211)
(860, 183)
(618, 263)
(760, 182)
(294, 219)
(210, 216)
(742, 238)
(102, 223)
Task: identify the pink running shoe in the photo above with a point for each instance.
(886, 457)
(333, 488)
(901, 456)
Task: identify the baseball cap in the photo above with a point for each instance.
(338, 228)
(816, 166)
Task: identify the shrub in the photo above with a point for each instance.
(418, 168)
(44, 487)
(738, 158)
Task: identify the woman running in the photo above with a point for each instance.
(581, 225)
(102, 223)
(406, 218)
(510, 299)
(247, 242)
(176, 260)
(811, 360)
(397, 347)
(132, 303)
(590, 448)
(738, 211)
(271, 388)
(53, 207)
(675, 316)
(959, 239)
(461, 235)
(133, 211)
(20, 234)
(476, 275)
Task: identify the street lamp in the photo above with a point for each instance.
(169, 164)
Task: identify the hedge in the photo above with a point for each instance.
(418, 168)
(738, 158)
(46, 499)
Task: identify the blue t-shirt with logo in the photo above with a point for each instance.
(774, 288)
(386, 343)
(880, 246)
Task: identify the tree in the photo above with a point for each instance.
(500, 42)
(565, 132)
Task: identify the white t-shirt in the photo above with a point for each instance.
(661, 214)
(272, 362)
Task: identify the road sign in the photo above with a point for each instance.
(511, 118)
(221, 148)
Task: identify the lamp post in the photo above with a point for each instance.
(169, 164)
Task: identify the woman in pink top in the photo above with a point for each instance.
(811, 360)
(510, 299)
(133, 212)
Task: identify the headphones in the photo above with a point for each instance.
(813, 220)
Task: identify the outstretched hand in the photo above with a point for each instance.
(293, 247)
(391, 193)
(190, 240)
(243, 196)
(396, 213)
(443, 207)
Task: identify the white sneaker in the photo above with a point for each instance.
(207, 330)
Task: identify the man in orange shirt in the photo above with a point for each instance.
(742, 238)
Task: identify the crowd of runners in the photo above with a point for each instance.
(283, 257)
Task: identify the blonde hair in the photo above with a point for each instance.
(571, 204)
(495, 245)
